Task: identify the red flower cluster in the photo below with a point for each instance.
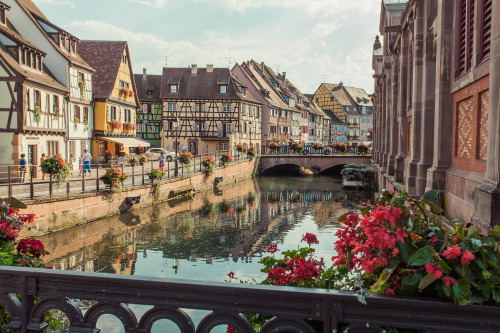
(297, 271)
(32, 247)
(309, 238)
(272, 248)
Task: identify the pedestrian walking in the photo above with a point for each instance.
(86, 162)
(161, 158)
(80, 165)
(41, 162)
(71, 160)
(22, 168)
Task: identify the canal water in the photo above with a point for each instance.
(207, 236)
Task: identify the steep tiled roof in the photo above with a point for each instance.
(342, 97)
(359, 96)
(153, 83)
(202, 85)
(105, 57)
(10, 32)
(333, 118)
(36, 15)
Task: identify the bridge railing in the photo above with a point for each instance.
(288, 309)
(309, 150)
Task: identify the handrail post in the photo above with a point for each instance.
(142, 173)
(97, 179)
(83, 180)
(50, 185)
(133, 180)
(32, 190)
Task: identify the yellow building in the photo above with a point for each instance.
(115, 97)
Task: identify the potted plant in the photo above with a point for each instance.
(362, 149)
(81, 85)
(142, 159)
(156, 174)
(296, 148)
(209, 164)
(56, 110)
(113, 179)
(240, 148)
(340, 147)
(124, 92)
(86, 123)
(185, 159)
(36, 114)
(107, 157)
(131, 93)
(318, 146)
(208, 211)
(252, 153)
(226, 158)
(57, 168)
(273, 146)
(225, 207)
(128, 126)
(115, 124)
(133, 160)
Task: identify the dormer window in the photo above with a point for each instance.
(150, 92)
(2, 15)
(174, 88)
(124, 58)
(223, 89)
(22, 57)
(73, 46)
(243, 91)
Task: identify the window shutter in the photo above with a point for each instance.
(462, 31)
(484, 52)
(470, 33)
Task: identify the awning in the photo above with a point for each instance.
(128, 142)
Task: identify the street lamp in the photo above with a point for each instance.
(250, 123)
(175, 124)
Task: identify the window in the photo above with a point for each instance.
(272, 129)
(81, 77)
(200, 126)
(86, 113)
(2, 15)
(38, 63)
(200, 107)
(347, 108)
(72, 149)
(244, 110)
(76, 113)
(243, 91)
(484, 46)
(112, 114)
(362, 120)
(33, 60)
(223, 146)
(37, 98)
(128, 115)
(139, 128)
(124, 84)
(245, 127)
(410, 76)
(55, 104)
(223, 89)
(171, 125)
(226, 108)
(52, 148)
(22, 59)
(465, 36)
(150, 92)
(124, 59)
(257, 112)
(171, 107)
(83, 146)
(173, 88)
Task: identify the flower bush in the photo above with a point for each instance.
(240, 148)
(318, 146)
(128, 126)
(274, 146)
(115, 124)
(358, 172)
(226, 158)
(362, 149)
(57, 167)
(226, 207)
(185, 158)
(156, 174)
(339, 147)
(296, 148)
(107, 156)
(133, 160)
(209, 164)
(142, 158)
(252, 152)
(114, 178)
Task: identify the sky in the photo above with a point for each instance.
(313, 41)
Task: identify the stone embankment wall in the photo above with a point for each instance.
(60, 213)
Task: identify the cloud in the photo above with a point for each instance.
(150, 3)
(311, 7)
(68, 3)
(324, 29)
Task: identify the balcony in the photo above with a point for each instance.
(353, 138)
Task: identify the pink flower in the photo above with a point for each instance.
(231, 275)
(435, 270)
(452, 252)
(309, 238)
(467, 257)
(272, 248)
(449, 281)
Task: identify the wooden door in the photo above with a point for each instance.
(193, 146)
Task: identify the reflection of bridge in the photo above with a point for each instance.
(316, 163)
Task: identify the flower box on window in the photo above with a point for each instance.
(115, 124)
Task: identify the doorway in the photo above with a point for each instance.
(193, 146)
(32, 159)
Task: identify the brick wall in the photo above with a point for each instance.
(470, 126)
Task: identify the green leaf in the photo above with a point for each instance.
(410, 283)
(431, 196)
(447, 269)
(14, 203)
(426, 281)
(496, 294)
(472, 231)
(447, 290)
(434, 207)
(462, 293)
(422, 256)
(404, 250)
(343, 217)
(378, 287)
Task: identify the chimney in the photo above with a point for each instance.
(194, 70)
(284, 76)
(341, 85)
(262, 64)
(210, 69)
(144, 73)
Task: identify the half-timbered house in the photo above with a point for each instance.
(67, 67)
(206, 110)
(32, 108)
(149, 115)
(115, 98)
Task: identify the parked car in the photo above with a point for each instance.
(154, 153)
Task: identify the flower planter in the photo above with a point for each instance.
(45, 170)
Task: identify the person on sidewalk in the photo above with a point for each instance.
(41, 162)
(80, 165)
(22, 168)
(161, 158)
(86, 162)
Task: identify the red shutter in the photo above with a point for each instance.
(484, 47)
(462, 38)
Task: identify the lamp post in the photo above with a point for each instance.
(250, 123)
(175, 124)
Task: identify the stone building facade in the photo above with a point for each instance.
(436, 103)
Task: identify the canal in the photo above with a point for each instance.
(209, 235)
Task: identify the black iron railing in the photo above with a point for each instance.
(310, 150)
(289, 309)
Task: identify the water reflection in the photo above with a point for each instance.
(209, 235)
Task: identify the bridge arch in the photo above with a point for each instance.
(317, 163)
(282, 169)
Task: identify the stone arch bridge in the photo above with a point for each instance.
(315, 163)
